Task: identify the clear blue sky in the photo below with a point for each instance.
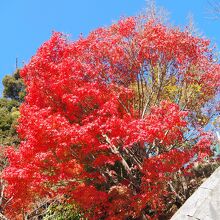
(26, 24)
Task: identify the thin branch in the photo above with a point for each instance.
(116, 151)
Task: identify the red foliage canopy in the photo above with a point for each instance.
(99, 124)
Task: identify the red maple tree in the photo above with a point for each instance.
(112, 119)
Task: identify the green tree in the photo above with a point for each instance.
(13, 95)
(14, 86)
(9, 114)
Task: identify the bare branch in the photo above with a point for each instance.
(214, 9)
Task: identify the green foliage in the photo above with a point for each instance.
(13, 95)
(8, 103)
(14, 87)
(9, 114)
(62, 212)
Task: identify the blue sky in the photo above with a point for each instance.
(26, 24)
